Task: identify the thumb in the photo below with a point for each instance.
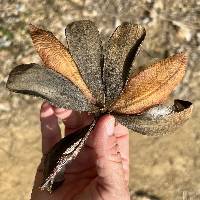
(109, 166)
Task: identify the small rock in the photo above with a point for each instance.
(5, 107)
(183, 31)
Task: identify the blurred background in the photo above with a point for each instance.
(165, 167)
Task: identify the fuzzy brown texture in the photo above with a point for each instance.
(85, 46)
(151, 86)
(158, 120)
(119, 53)
(45, 83)
(56, 56)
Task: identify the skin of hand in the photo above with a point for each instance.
(100, 172)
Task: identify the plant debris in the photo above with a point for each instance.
(84, 76)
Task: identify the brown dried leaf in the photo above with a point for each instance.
(159, 120)
(55, 55)
(119, 54)
(85, 46)
(151, 86)
(45, 83)
(61, 154)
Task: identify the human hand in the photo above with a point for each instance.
(101, 170)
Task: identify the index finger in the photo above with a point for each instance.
(50, 129)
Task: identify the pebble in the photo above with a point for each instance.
(5, 107)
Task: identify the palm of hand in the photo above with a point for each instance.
(101, 169)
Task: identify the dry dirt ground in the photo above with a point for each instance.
(163, 168)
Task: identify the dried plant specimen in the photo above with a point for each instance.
(87, 77)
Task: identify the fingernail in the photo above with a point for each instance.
(110, 126)
(46, 110)
(62, 113)
(59, 110)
